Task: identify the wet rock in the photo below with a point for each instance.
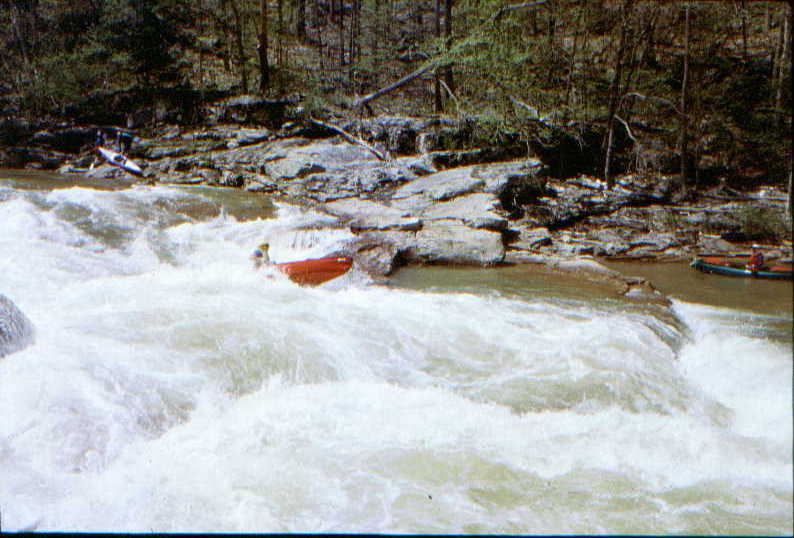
(16, 330)
(530, 239)
(376, 258)
(629, 287)
(452, 242)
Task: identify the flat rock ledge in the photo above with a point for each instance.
(420, 205)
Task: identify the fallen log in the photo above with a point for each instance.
(350, 138)
(390, 88)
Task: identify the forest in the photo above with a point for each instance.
(698, 89)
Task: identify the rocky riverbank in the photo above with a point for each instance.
(413, 192)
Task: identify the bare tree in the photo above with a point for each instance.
(615, 91)
(439, 105)
(264, 67)
(684, 127)
(784, 59)
(448, 36)
(790, 20)
(300, 28)
(238, 39)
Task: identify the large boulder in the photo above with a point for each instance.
(16, 330)
(452, 242)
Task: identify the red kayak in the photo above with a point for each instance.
(316, 271)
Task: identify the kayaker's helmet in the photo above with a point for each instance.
(756, 246)
(261, 251)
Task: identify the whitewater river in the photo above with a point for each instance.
(172, 388)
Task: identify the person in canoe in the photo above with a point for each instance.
(261, 256)
(756, 262)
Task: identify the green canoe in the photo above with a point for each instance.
(720, 266)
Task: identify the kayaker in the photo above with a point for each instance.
(756, 259)
(261, 256)
(99, 140)
(123, 141)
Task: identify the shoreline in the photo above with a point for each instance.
(425, 205)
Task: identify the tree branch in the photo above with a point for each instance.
(452, 95)
(628, 130)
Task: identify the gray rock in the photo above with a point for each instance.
(16, 330)
(714, 245)
(500, 176)
(452, 242)
(530, 239)
(365, 215)
(476, 210)
(442, 185)
(376, 258)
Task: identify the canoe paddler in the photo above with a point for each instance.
(261, 255)
(756, 259)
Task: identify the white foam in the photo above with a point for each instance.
(173, 388)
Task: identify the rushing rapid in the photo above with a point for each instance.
(172, 388)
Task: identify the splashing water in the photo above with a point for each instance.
(171, 388)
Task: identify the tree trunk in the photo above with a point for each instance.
(280, 33)
(340, 14)
(783, 62)
(439, 105)
(683, 135)
(790, 119)
(615, 92)
(264, 67)
(238, 39)
(790, 174)
(572, 64)
(402, 82)
(743, 7)
(300, 28)
(448, 36)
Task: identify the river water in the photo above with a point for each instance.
(171, 388)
